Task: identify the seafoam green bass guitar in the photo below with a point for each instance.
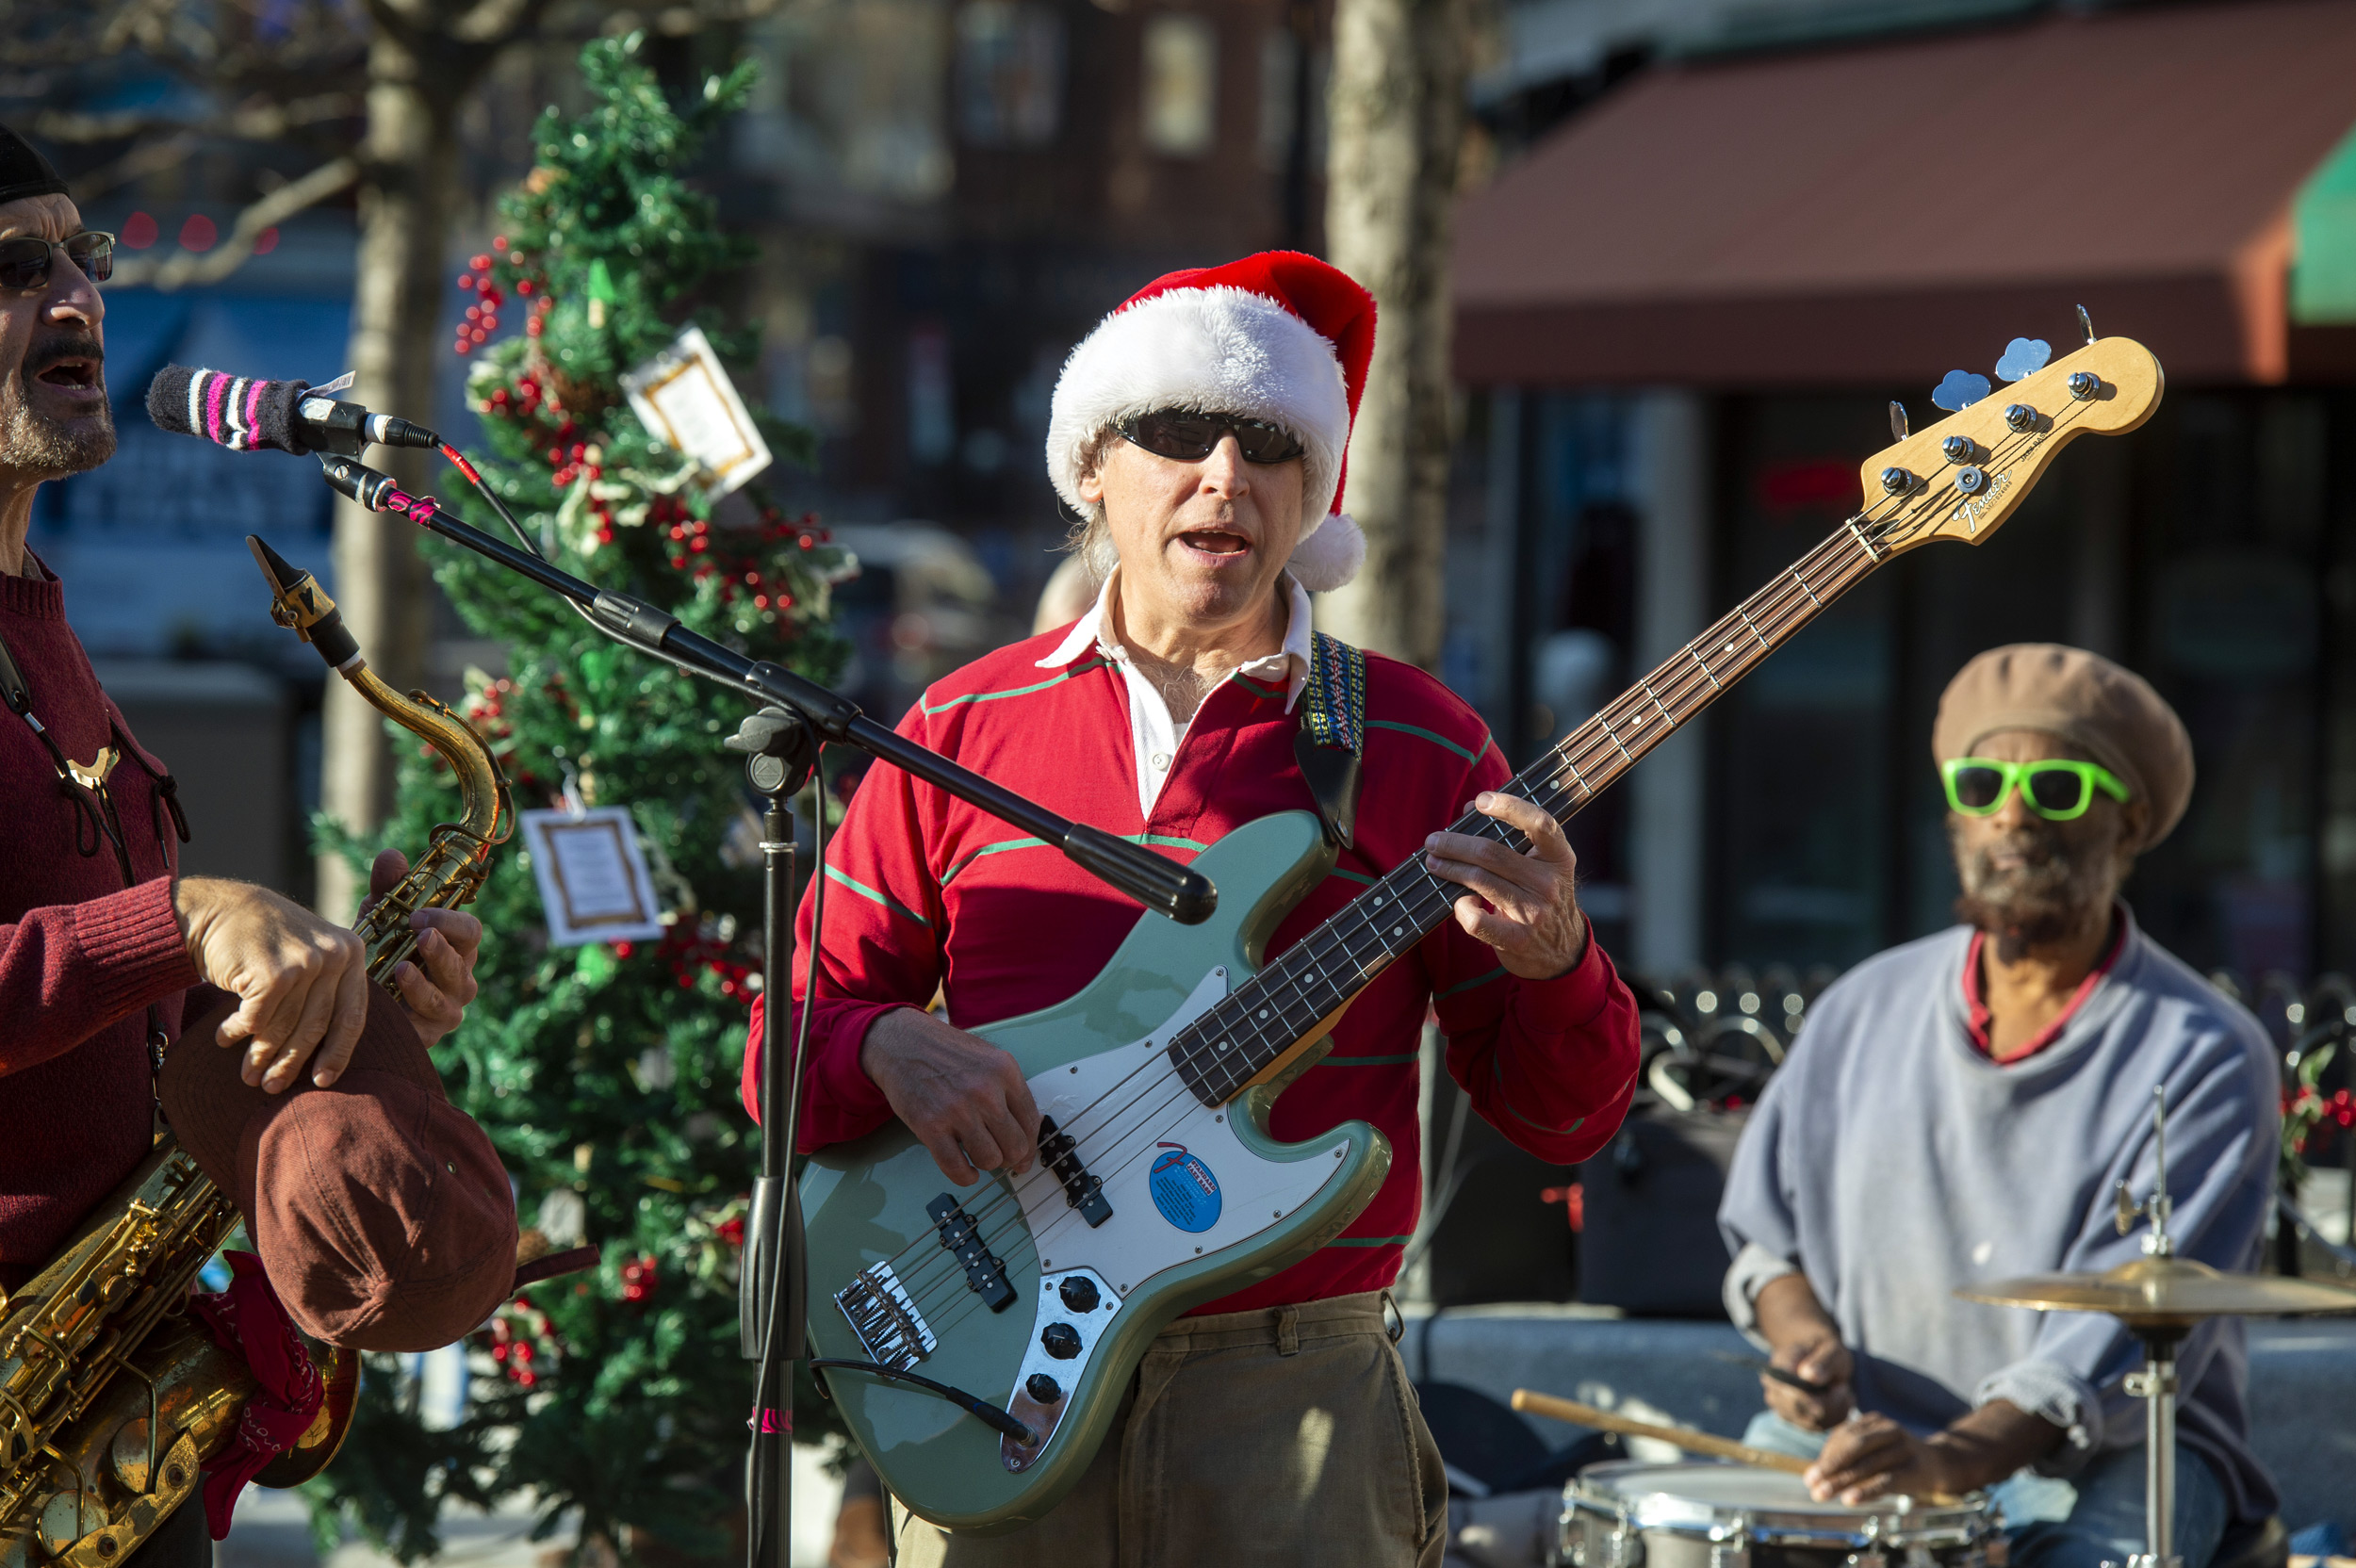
(1158, 1186)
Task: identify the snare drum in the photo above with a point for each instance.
(1709, 1514)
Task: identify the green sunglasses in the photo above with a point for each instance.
(2056, 789)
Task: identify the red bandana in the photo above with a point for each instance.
(247, 1319)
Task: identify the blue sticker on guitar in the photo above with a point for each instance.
(1184, 1189)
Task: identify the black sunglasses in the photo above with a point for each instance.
(1187, 438)
(25, 260)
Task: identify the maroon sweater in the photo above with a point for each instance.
(81, 957)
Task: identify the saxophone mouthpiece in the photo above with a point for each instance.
(283, 576)
(298, 604)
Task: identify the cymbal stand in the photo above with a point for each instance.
(2156, 1385)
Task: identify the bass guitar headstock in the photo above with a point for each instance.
(1963, 477)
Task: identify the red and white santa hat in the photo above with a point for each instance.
(1279, 336)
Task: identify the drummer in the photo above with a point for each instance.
(1959, 1108)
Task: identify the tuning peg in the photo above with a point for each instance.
(1960, 390)
(2086, 323)
(2023, 356)
(1897, 421)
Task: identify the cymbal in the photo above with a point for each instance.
(2158, 1291)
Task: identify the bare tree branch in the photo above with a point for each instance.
(185, 268)
(149, 157)
(256, 120)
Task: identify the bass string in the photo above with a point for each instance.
(1780, 610)
(1785, 607)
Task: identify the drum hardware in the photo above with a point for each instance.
(2161, 1298)
(1707, 1514)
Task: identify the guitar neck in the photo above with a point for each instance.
(1257, 1024)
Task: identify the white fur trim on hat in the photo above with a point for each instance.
(1328, 556)
(1223, 350)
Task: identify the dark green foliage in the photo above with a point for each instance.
(608, 1072)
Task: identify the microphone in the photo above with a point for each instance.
(245, 413)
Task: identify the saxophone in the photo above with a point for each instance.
(92, 1463)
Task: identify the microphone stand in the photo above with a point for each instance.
(781, 740)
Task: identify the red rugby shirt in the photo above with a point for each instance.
(929, 892)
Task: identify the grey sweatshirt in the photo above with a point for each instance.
(1889, 1162)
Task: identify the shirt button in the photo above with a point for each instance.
(1160, 759)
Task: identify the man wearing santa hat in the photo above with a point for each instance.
(1198, 431)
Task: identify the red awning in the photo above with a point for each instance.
(1874, 214)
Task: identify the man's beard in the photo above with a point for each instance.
(40, 445)
(2062, 880)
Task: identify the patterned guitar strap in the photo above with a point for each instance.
(95, 818)
(1332, 736)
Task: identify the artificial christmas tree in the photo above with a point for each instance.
(605, 1073)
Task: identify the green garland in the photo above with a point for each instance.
(606, 1075)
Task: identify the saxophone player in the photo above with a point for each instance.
(104, 946)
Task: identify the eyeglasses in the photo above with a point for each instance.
(1186, 437)
(25, 259)
(2057, 790)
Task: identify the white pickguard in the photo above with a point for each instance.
(1124, 1108)
(1119, 1107)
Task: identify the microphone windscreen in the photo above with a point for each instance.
(236, 412)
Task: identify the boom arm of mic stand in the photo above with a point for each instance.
(1183, 894)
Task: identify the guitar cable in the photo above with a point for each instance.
(990, 1414)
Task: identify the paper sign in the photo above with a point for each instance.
(593, 878)
(685, 399)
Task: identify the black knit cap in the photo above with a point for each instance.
(23, 172)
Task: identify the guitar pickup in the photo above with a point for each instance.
(886, 1321)
(1081, 1190)
(961, 1240)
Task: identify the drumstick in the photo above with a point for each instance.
(1692, 1441)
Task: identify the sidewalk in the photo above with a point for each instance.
(272, 1529)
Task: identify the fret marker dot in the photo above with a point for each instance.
(1264, 1012)
(1396, 929)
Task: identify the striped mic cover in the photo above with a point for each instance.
(236, 412)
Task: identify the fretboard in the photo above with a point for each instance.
(1256, 1025)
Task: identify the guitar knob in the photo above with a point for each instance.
(2085, 385)
(1897, 480)
(2020, 417)
(1078, 1293)
(1060, 1340)
(1040, 1387)
(1959, 449)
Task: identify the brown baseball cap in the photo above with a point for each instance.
(380, 1210)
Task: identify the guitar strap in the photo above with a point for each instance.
(1332, 736)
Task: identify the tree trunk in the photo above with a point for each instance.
(410, 169)
(1397, 117)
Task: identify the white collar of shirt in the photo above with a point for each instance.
(1154, 736)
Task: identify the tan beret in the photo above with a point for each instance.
(2112, 714)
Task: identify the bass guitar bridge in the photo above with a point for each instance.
(886, 1321)
(961, 1240)
(1081, 1190)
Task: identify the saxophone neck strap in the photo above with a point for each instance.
(95, 819)
(1332, 737)
(13, 690)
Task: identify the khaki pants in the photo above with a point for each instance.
(1288, 1437)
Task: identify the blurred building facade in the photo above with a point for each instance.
(1681, 317)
